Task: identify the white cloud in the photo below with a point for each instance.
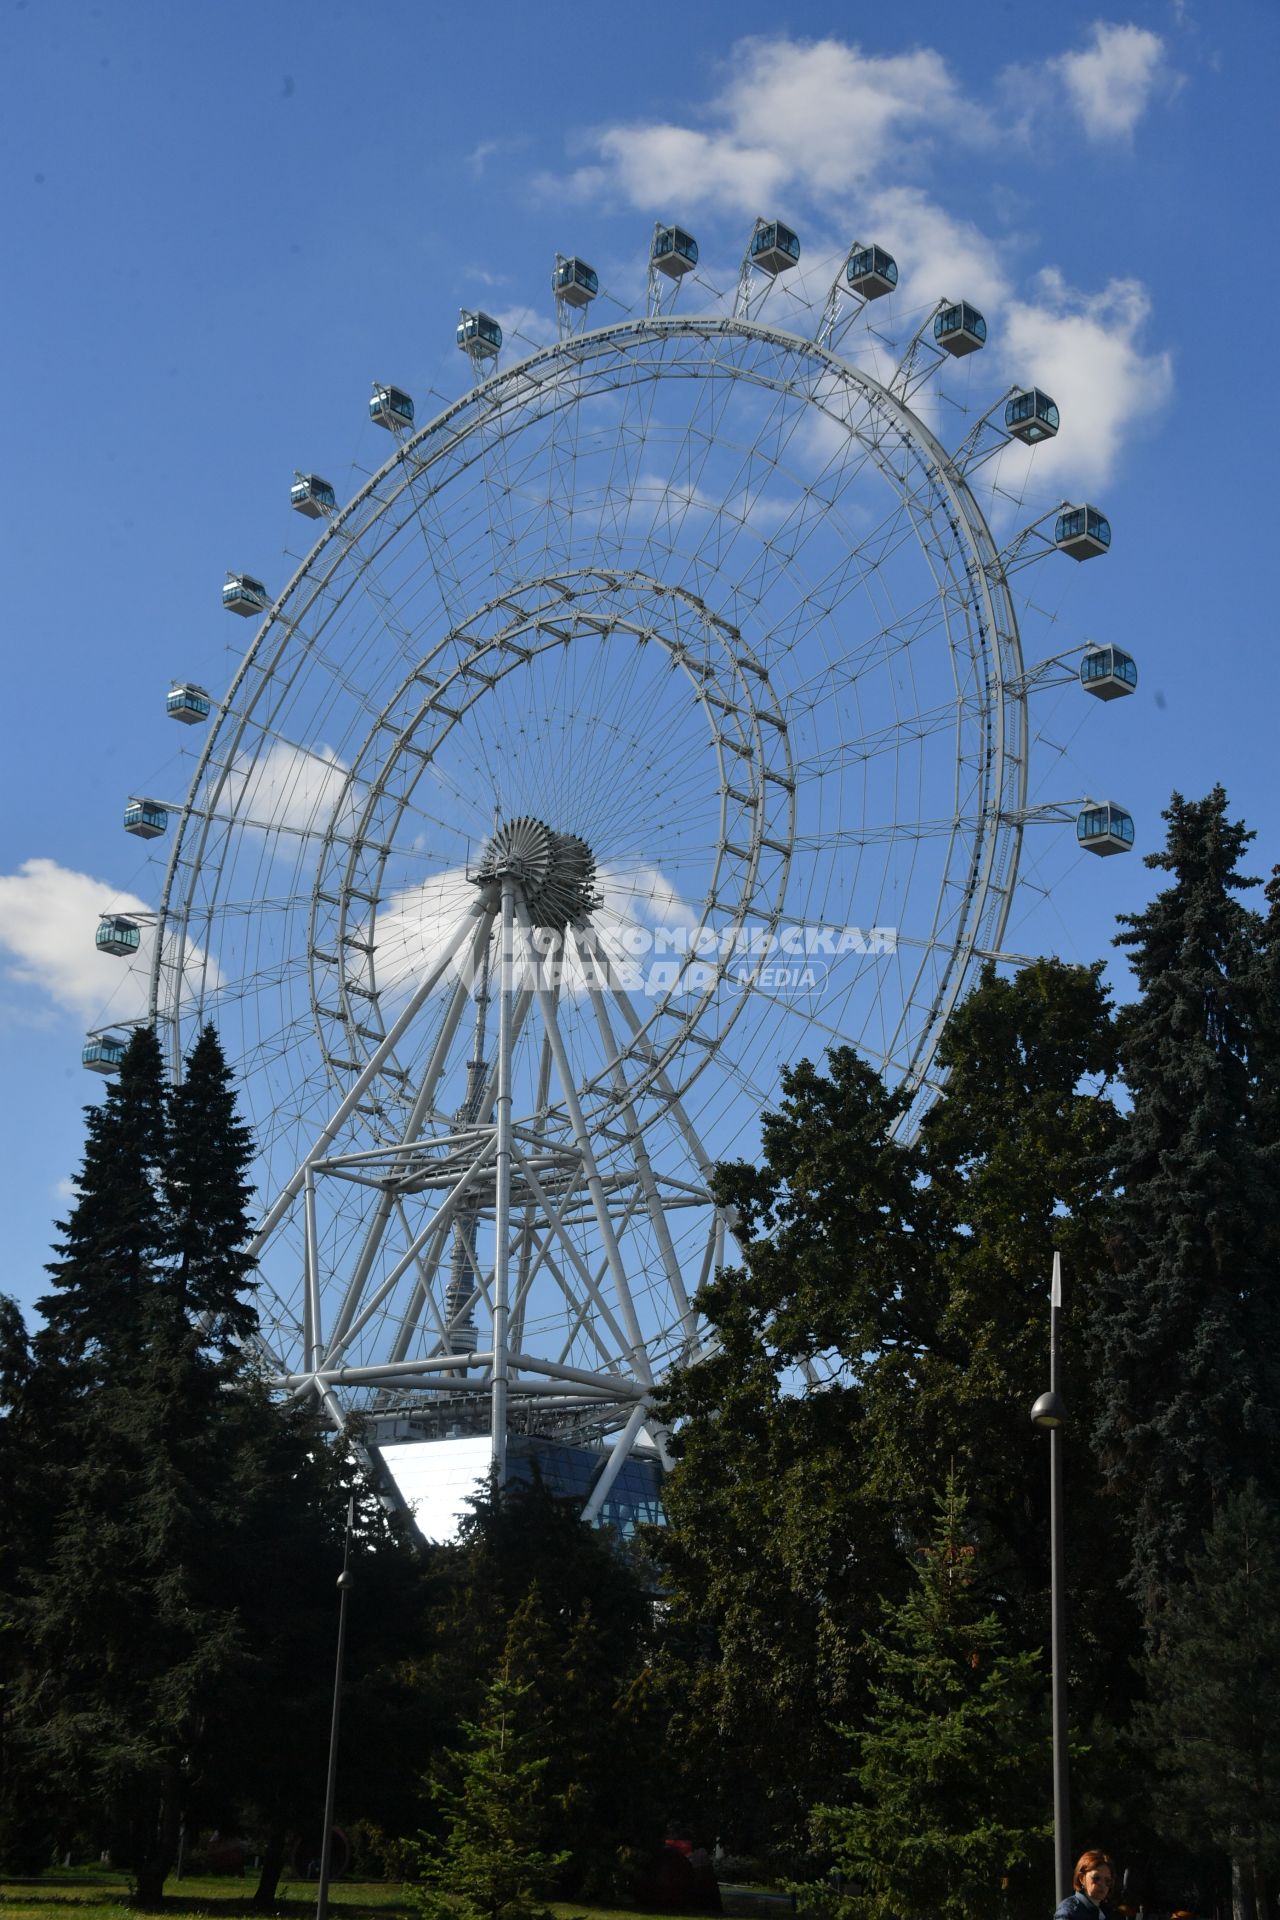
(817, 117)
(413, 929)
(538, 328)
(936, 254)
(291, 787)
(1110, 83)
(48, 915)
(1087, 351)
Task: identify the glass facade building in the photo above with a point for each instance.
(437, 1478)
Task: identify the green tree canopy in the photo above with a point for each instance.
(491, 1863)
(890, 1319)
(950, 1768)
(1212, 1719)
(1187, 1327)
(173, 1581)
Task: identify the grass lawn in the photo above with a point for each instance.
(99, 1893)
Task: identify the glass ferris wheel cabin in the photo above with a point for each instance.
(187, 702)
(116, 933)
(102, 1052)
(1108, 673)
(390, 407)
(774, 248)
(1105, 829)
(1082, 532)
(244, 595)
(146, 818)
(575, 283)
(480, 334)
(960, 329)
(871, 272)
(311, 495)
(1031, 416)
(675, 252)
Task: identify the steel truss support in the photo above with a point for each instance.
(922, 358)
(842, 306)
(534, 1186)
(985, 438)
(1031, 543)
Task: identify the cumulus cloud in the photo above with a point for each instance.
(936, 253)
(1110, 83)
(814, 116)
(295, 788)
(48, 915)
(413, 928)
(833, 133)
(1088, 351)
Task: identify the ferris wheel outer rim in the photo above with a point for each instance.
(1004, 827)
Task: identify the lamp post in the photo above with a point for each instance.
(345, 1583)
(1049, 1414)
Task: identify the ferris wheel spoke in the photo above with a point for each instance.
(644, 1166)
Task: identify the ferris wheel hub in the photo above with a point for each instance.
(555, 872)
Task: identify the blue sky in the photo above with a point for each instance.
(222, 223)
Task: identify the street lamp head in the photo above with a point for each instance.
(1049, 1411)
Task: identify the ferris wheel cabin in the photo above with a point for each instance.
(188, 703)
(960, 329)
(1105, 829)
(116, 933)
(102, 1053)
(479, 335)
(1082, 532)
(146, 818)
(390, 407)
(244, 595)
(1108, 673)
(774, 248)
(1030, 417)
(675, 252)
(871, 272)
(311, 495)
(574, 282)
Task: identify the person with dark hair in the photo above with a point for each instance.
(1094, 1878)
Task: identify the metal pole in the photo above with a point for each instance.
(331, 1784)
(499, 1380)
(1058, 1620)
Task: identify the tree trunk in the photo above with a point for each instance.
(156, 1863)
(1243, 1902)
(269, 1874)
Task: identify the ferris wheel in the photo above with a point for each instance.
(654, 716)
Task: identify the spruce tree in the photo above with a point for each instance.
(117, 1239)
(208, 1195)
(950, 1769)
(577, 1716)
(131, 1629)
(492, 1863)
(1187, 1328)
(568, 1609)
(1212, 1719)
